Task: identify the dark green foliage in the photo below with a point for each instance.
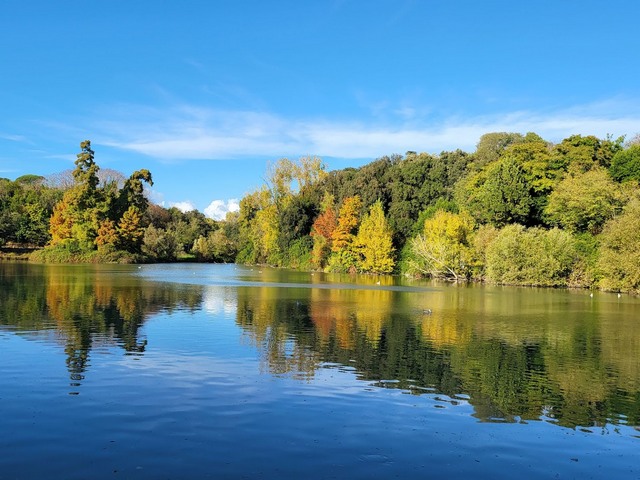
(298, 255)
(626, 164)
(86, 178)
(187, 227)
(498, 195)
(30, 179)
(25, 208)
(296, 219)
(371, 183)
(132, 193)
(417, 182)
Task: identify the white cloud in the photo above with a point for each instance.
(187, 132)
(12, 137)
(218, 209)
(183, 206)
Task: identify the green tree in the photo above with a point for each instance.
(585, 201)
(499, 194)
(578, 154)
(90, 211)
(491, 146)
(419, 181)
(296, 220)
(132, 193)
(160, 245)
(86, 177)
(26, 205)
(215, 247)
(626, 164)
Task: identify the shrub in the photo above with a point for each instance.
(534, 256)
(619, 254)
(159, 244)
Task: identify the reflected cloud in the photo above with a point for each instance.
(216, 300)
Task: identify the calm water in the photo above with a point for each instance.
(221, 371)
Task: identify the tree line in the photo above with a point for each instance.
(518, 210)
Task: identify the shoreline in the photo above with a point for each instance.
(17, 252)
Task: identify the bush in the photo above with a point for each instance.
(585, 272)
(159, 244)
(534, 256)
(72, 251)
(619, 255)
(298, 255)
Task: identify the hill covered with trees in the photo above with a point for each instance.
(519, 210)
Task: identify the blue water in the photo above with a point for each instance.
(207, 397)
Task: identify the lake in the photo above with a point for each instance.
(221, 371)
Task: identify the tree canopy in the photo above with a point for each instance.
(519, 209)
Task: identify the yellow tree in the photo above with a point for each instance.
(130, 230)
(343, 257)
(348, 216)
(443, 250)
(61, 223)
(258, 227)
(308, 171)
(374, 242)
(107, 234)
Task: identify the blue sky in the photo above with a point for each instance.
(205, 93)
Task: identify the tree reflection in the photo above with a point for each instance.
(86, 306)
(518, 354)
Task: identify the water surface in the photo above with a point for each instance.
(222, 371)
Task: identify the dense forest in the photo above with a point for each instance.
(519, 210)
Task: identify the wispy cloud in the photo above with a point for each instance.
(12, 137)
(189, 132)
